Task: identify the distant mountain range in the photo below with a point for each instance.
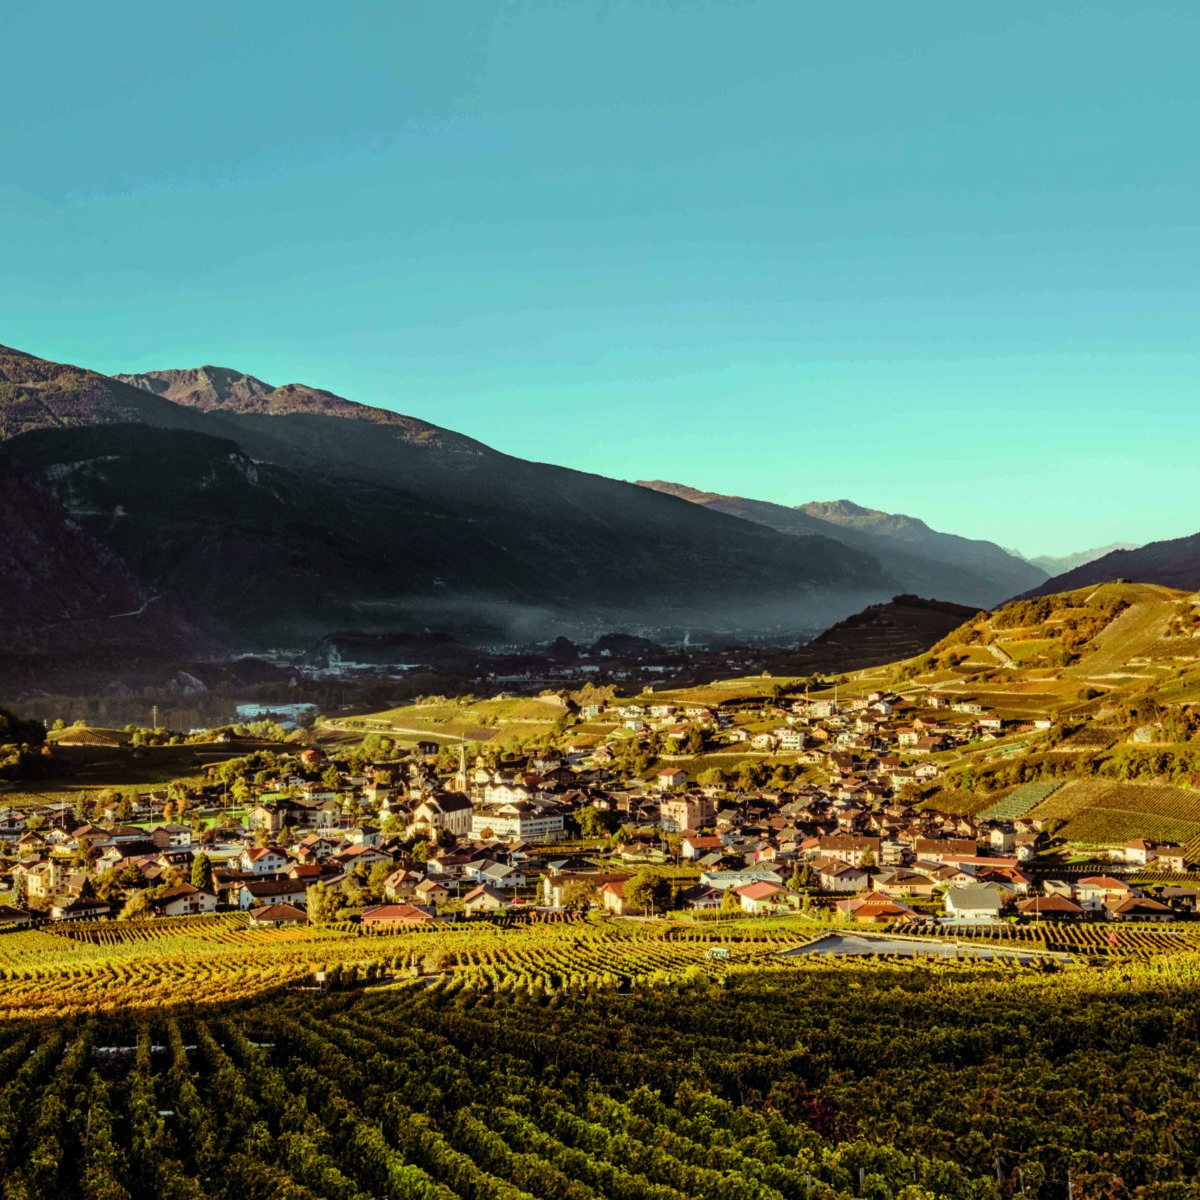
(1059, 564)
(289, 513)
(278, 515)
(1174, 563)
(926, 562)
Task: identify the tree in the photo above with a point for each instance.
(421, 851)
(591, 822)
(324, 903)
(647, 893)
(332, 779)
(87, 889)
(202, 872)
(578, 894)
(377, 880)
(21, 890)
(731, 901)
(136, 907)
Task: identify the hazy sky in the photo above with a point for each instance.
(941, 258)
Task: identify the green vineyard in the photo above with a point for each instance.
(1021, 802)
(768, 1083)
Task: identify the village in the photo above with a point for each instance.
(824, 823)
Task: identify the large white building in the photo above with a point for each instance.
(517, 821)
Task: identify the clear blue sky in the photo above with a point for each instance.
(941, 258)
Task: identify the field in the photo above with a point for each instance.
(92, 769)
(449, 721)
(1027, 648)
(583, 1061)
(1020, 802)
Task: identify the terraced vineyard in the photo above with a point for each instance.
(1120, 812)
(1022, 801)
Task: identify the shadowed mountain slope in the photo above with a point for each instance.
(963, 570)
(291, 512)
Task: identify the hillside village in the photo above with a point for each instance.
(824, 818)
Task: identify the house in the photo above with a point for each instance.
(502, 875)
(904, 883)
(517, 820)
(1002, 839)
(430, 891)
(183, 900)
(553, 884)
(363, 835)
(975, 904)
(686, 812)
(612, 896)
(264, 860)
(276, 915)
(13, 918)
(1140, 908)
(484, 899)
(172, 835)
(1102, 891)
(1050, 908)
(1139, 852)
(762, 897)
(1182, 897)
(1171, 858)
(699, 898)
(672, 777)
(937, 850)
(271, 891)
(384, 916)
(401, 884)
(698, 847)
(79, 910)
(876, 908)
(835, 876)
(850, 850)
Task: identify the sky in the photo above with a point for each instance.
(938, 258)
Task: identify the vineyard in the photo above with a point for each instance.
(771, 1082)
(1120, 812)
(1021, 802)
(103, 965)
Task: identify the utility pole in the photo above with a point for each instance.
(154, 717)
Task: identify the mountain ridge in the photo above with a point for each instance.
(957, 569)
(440, 531)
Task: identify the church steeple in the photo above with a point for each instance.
(460, 780)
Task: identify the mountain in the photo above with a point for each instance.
(67, 593)
(963, 570)
(1053, 565)
(291, 513)
(1174, 563)
(902, 628)
(36, 394)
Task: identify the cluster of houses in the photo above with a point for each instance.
(486, 834)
